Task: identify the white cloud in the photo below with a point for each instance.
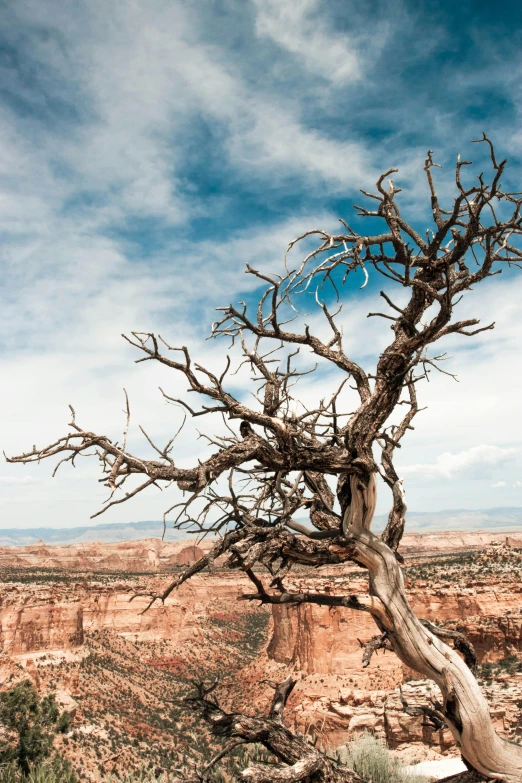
(299, 27)
(140, 88)
(137, 80)
(65, 333)
(476, 462)
(498, 484)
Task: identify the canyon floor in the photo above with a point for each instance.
(68, 624)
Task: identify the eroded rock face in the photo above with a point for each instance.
(44, 623)
(478, 592)
(336, 718)
(379, 711)
(316, 639)
(453, 541)
(34, 619)
(480, 595)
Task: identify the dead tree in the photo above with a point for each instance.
(300, 760)
(259, 482)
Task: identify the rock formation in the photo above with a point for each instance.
(36, 619)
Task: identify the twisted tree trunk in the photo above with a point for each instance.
(465, 708)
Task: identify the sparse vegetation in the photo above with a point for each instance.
(369, 757)
(372, 760)
(60, 771)
(501, 562)
(130, 694)
(57, 770)
(509, 665)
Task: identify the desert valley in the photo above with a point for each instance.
(68, 623)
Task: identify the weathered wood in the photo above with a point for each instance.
(460, 642)
(298, 758)
(282, 692)
(465, 707)
(380, 642)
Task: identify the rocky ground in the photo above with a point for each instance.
(123, 673)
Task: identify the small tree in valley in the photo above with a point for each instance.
(28, 724)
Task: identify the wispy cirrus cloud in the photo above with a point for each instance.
(17, 480)
(149, 151)
(302, 29)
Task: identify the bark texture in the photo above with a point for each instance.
(299, 759)
(464, 708)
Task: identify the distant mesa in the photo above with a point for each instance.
(107, 533)
(145, 556)
(152, 555)
(459, 520)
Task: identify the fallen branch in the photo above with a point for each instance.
(298, 758)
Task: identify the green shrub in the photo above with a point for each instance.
(29, 725)
(55, 770)
(372, 760)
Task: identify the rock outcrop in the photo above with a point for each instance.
(452, 541)
(43, 623)
(154, 555)
(317, 640)
(36, 619)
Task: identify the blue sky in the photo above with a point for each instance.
(149, 150)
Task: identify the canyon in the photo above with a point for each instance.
(71, 620)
